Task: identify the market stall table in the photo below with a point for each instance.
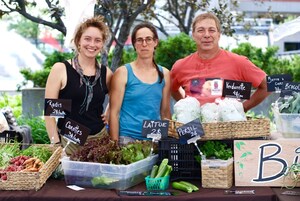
(281, 197)
(57, 190)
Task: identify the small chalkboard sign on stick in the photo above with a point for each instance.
(236, 89)
(57, 107)
(155, 128)
(75, 132)
(275, 82)
(289, 87)
(190, 131)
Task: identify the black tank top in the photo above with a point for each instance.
(92, 117)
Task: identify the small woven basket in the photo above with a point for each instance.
(217, 173)
(33, 180)
(251, 128)
(161, 183)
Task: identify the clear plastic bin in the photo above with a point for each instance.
(288, 124)
(107, 176)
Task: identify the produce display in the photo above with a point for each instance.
(222, 110)
(184, 186)
(162, 170)
(287, 115)
(289, 104)
(104, 150)
(215, 150)
(159, 176)
(31, 159)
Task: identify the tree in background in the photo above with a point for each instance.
(29, 29)
(120, 16)
(181, 13)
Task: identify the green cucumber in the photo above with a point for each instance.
(195, 188)
(168, 171)
(154, 171)
(163, 163)
(163, 167)
(161, 172)
(182, 187)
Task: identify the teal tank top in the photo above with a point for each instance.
(141, 101)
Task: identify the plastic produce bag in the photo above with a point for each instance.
(187, 109)
(210, 113)
(231, 110)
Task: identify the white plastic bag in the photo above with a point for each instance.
(187, 109)
(3, 123)
(231, 110)
(210, 113)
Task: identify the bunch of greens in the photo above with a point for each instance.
(99, 150)
(104, 150)
(216, 149)
(41, 152)
(290, 104)
(7, 152)
(135, 151)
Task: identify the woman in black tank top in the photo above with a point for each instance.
(83, 81)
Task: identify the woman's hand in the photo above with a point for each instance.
(104, 118)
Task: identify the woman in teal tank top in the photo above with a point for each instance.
(140, 90)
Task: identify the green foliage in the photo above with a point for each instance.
(216, 149)
(38, 129)
(14, 102)
(56, 57)
(269, 62)
(174, 48)
(24, 27)
(128, 55)
(39, 77)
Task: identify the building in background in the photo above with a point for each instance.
(286, 36)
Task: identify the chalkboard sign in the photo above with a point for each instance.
(236, 89)
(57, 107)
(289, 87)
(155, 127)
(275, 82)
(190, 130)
(75, 132)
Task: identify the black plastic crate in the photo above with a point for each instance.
(181, 158)
(9, 136)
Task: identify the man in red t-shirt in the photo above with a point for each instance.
(201, 74)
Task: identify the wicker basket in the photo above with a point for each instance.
(217, 173)
(251, 128)
(33, 180)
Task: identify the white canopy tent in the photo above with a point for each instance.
(76, 12)
(286, 29)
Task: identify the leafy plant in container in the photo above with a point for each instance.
(293, 172)
(287, 115)
(217, 168)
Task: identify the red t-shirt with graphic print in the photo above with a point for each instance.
(202, 78)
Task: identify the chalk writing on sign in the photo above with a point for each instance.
(236, 89)
(57, 107)
(189, 130)
(275, 82)
(155, 127)
(75, 132)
